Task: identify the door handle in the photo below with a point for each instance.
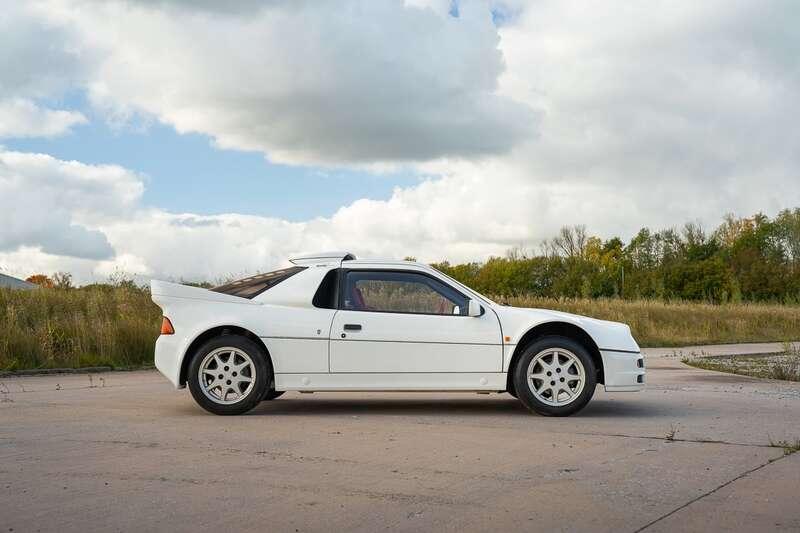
(352, 327)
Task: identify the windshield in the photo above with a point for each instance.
(474, 292)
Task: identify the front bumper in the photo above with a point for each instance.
(623, 371)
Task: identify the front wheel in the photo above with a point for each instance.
(555, 376)
(229, 374)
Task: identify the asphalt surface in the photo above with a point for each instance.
(125, 451)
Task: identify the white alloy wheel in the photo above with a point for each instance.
(227, 375)
(556, 377)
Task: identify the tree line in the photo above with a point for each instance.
(748, 259)
(752, 259)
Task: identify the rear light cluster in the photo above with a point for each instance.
(166, 327)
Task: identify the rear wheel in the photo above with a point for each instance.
(555, 376)
(229, 374)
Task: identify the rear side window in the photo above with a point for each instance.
(327, 293)
(255, 285)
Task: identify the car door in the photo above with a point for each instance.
(407, 321)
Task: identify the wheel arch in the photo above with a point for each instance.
(564, 329)
(217, 331)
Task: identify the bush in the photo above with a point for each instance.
(97, 325)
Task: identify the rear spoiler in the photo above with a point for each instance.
(323, 257)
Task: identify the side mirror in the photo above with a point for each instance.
(474, 308)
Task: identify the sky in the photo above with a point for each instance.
(180, 139)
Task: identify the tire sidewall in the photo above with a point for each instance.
(263, 370)
(524, 392)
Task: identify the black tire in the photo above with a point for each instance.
(512, 392)
(272, 394)
(261, 364)
(522, 384)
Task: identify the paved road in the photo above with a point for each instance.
(125, 452)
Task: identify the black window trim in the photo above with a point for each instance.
(336, 283)
(342, 284)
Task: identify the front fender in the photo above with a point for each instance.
(516, 322)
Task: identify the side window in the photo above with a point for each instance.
(401, 292)
(325, 297)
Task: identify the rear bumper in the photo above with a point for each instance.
(168, 358)
(623, 371)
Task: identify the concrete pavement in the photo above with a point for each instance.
(125, 451)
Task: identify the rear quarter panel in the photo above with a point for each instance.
(190, 318)
(296, 338)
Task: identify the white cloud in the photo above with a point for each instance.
(56, 205)
(678, 110)
(23, 118)
(28, 260)
(305, 82)
(39, 59)
(38, 62)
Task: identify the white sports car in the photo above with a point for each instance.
(332, 322)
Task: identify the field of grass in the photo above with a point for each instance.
(102, 325)
(98, 325)
(657, 323)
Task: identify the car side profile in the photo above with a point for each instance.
(332, 322)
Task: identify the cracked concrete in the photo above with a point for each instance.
(129, 452)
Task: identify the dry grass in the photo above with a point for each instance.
(789, 447)
(656, 323)
(118, 326)
(73, 328)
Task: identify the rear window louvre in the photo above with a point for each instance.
(254, 285)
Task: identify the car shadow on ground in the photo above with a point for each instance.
(296, 405)
(615, 408)
(389, 406)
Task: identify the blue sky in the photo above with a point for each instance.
(186, 173)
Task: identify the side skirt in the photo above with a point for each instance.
(467, 381)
